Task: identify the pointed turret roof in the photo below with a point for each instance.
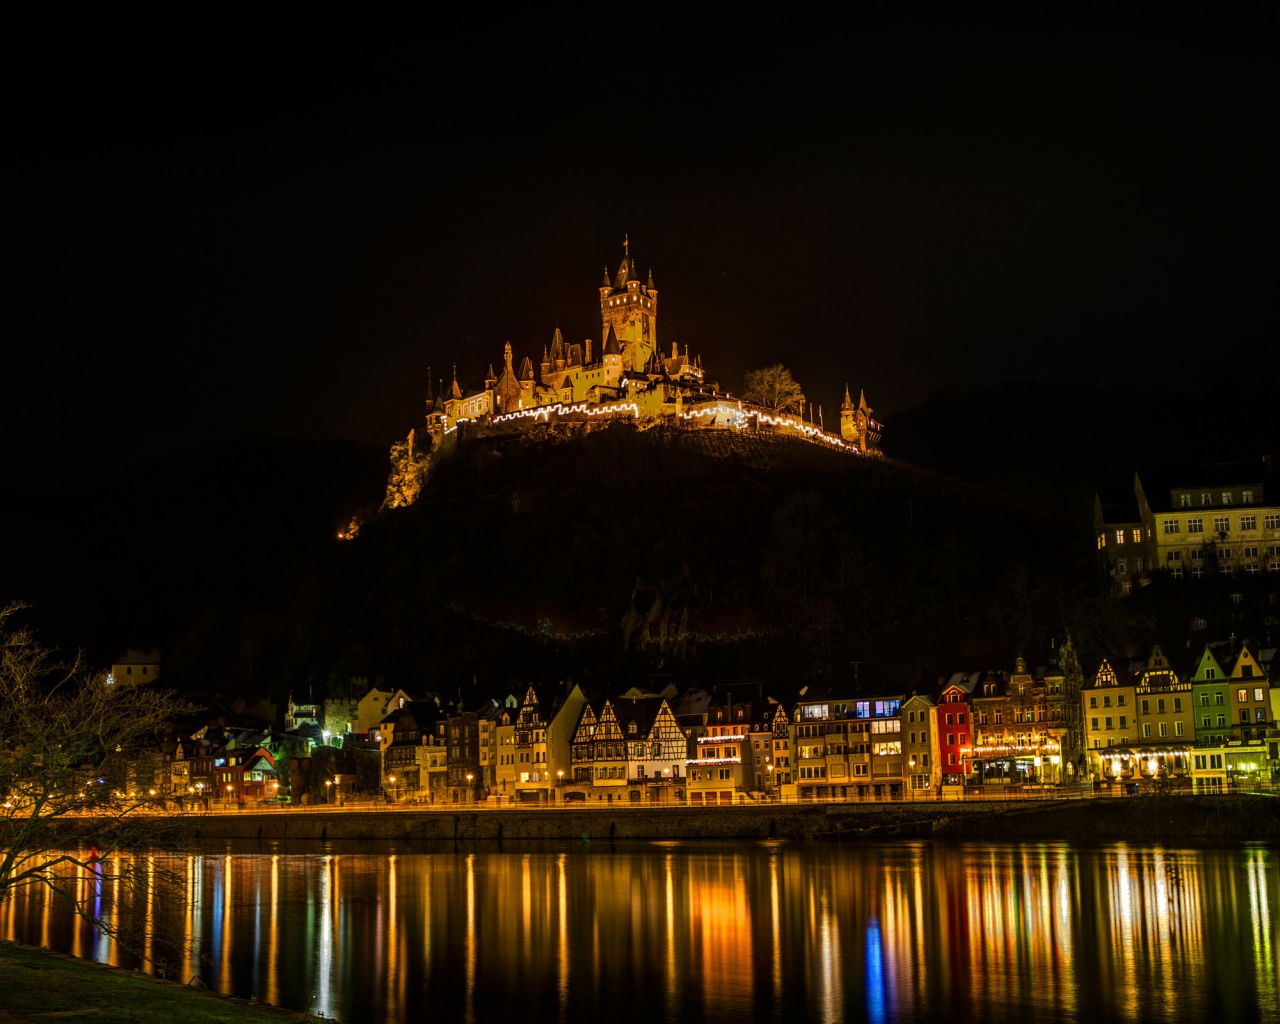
(650, 284)
(557, 345)
(455, 390)
(605, 283)
(526, 369)
(611, 346)
(848, 402)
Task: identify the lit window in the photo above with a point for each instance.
(1119, 536)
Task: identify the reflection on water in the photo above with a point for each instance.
(686, 932)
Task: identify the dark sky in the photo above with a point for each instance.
(221, 227)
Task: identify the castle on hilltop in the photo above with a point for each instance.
(631, 377)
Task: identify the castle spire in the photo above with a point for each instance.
(650, 284)
(457, 391)
(848, 402)
(605, 283)
(626, 245)
(506, 355)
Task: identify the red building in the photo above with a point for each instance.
(953, 725)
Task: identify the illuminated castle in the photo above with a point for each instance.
(631, 378)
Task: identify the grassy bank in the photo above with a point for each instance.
(38, 986)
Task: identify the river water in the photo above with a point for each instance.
(691, 932)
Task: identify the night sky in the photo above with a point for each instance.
(274, 226)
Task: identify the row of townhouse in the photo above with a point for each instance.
(1207, 724)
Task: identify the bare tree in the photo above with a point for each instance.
(774, 388)
(81, 777)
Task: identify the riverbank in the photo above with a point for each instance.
(37, 985)
(1146, 818)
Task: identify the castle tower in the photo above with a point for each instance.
(630, 307)
(509, 393)
(848, 429)
(612, 358)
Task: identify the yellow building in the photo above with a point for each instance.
(1140, 724)
(1211, 520)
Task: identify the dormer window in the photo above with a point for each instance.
(631, 728)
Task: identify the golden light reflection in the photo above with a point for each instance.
(389, 918)
(562, 939)
(471, 938)
(224, 914)
(669, 951)
(720, 922)
(832, 933)
(273, 935)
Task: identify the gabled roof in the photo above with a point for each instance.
(641, 711)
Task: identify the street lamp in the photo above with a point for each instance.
(328, 793)
(469, 778)
(560, 786)
(912, 784)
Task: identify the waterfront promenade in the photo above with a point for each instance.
(1102, 818)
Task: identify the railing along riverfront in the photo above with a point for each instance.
(617, 806)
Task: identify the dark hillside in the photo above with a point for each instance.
(618, 553)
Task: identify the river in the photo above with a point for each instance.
(691, 932)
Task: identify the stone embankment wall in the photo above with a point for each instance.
(1136, 818)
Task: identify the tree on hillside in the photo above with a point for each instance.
(774, 388)
(80, 769)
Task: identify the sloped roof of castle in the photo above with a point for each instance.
(626, 272)
(557, 345)
(611, 346)
(526, 369)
